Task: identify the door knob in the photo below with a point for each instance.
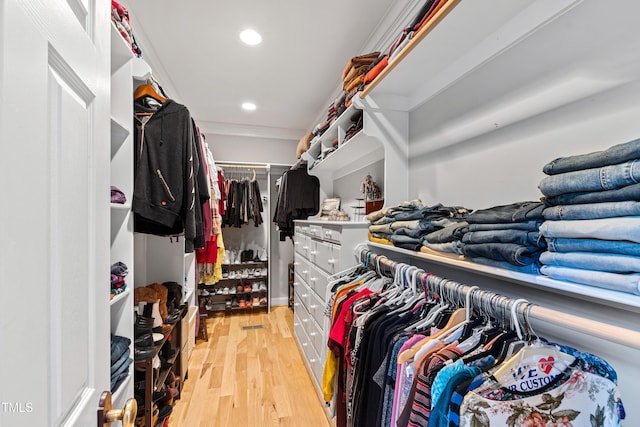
(108, 415)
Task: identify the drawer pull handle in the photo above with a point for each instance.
(305, 272)
(331, 261)
(312, 334)
(305, 247)
(312, 306)
(312, 360)
(305, 320)
(313, 279)
(314, 252)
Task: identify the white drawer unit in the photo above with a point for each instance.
(322, 248)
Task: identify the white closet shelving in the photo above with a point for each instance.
(121, 216)
(474, 106)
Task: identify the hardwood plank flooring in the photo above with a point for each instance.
(249, 377)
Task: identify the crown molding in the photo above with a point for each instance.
(219, 128)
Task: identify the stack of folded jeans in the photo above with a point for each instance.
(506, 236)
(120, 360)
(592, 225)
(406, 225)
(447, 239)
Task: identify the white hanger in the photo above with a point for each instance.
(532, 355)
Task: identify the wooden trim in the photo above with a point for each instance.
(417, 38)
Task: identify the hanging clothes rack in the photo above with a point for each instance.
(615, 334)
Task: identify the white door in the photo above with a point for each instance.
(54, 211)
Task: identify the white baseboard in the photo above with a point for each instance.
(279, 301)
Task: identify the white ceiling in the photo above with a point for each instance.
(195, 53)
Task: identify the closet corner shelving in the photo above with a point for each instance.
(384, 136)
(121, 170)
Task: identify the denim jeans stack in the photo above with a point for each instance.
(406, 225)
(592, 225)
(506, 236)
(120, 360)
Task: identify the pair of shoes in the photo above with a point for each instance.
(255, 287)
(227, 303)
(263, 300)
(247, 287)
(262, 288)
(242, 303)
(240, 288)
(256, 302)
(235, 303)
(246, 255)
(225, 291)
(232, 290)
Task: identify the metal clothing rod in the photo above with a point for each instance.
(241, 166)
(611, 333)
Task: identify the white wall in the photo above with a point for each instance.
(347, 188)
(251, 149)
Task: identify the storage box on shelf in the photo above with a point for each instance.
(322, 248)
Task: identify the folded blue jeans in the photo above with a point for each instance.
(612, 263)
(613, 155)
(418, 228)
(404, 206)
(515, 212)
(454, 247)
(592, 210)
(533, 268)
(532, 225)
(118, 363)
(406, 242)
(510, 252)
(119, 345)
(630, 192)
(622, 228)
(563, 244)
(629, 283)
(449, 233)
(609, 177)
(521, 237)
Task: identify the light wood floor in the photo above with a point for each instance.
(251, 378)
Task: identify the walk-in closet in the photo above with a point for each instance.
(421, 213)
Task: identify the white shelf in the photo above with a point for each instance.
(120, 50)
(360, 150)
(120, 297)
(607, 297)
(123, 386)
(121, 207)
(119, 134)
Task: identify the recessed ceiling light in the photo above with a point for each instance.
(249, 106)
(250, 37)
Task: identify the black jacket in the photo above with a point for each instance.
(164, 183)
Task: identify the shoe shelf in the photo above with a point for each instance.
(146, 366)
